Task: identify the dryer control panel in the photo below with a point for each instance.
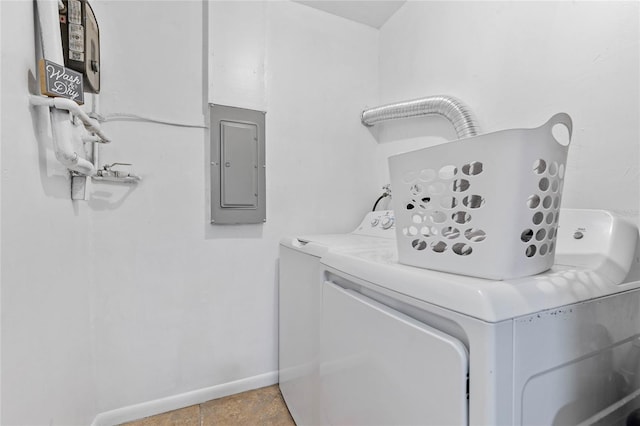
(598, 240)
(378, 224)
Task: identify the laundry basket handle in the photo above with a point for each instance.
(560, 118)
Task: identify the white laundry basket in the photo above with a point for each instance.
(485, 206)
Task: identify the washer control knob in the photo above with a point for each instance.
(374, 222)
(387, 222)
(578, 235)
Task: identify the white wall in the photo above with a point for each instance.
(181, 304)
(516, 64)
(161, 302)
(47, 370)
(313, 73)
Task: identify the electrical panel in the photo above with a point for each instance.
(237, 165)
(81, 41)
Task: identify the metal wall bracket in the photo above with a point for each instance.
(107, 173)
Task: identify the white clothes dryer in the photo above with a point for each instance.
(300, 297)
(401, 345)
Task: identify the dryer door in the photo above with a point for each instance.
(381, 367)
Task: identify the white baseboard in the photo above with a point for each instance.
(162, 405)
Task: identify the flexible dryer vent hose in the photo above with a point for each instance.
(449, 107)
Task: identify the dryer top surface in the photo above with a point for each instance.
(594, 254)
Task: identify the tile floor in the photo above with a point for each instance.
(260, 407)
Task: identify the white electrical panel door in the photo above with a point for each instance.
(381, 367)
(239, 164)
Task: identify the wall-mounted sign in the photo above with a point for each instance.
(58, 81)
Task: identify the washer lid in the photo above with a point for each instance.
(335, 242)
(375, 230)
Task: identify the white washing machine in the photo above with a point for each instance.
(300, 297)
(401, 345)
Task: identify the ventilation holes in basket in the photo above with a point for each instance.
(416, 189)
(543, 184)
(473, 201)
(526, 235)
(550, 217)
(538, 217)
(437, 217)
(410, 231)
(546, 201)
(418, 244)
(460, 185)
(539, 166)
(462, 249)
(439, 246)
(448, 202)
(427, 232)
(447, 172)
(431, 199)
(461, 217)
(423, 203)
(533, 201)
(472, 169)
(475, 235)
(450, 232)
(530, 251)
(540, 235)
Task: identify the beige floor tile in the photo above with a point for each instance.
(263, 406)
(260, 407)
